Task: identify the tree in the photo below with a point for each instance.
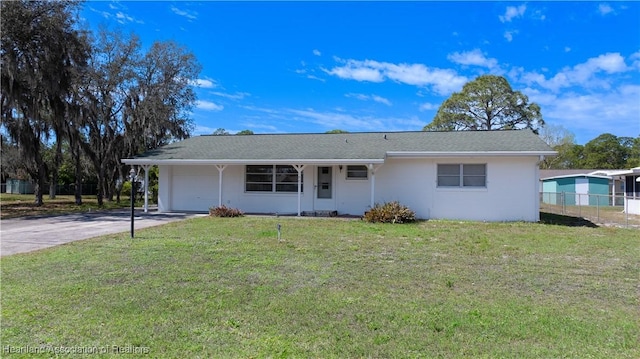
(562, 141)
(40, 50)
(220, 132)
(245, 132)
(605, 152)
(337, 131)
(487, 103)
(634, 153)
(133, 102)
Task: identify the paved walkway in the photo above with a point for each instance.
(22, 235)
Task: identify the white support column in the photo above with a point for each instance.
(220, 169)
(613, 192)
(372, 170)
(146, 187)
(299, 168)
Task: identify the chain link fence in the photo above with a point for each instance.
(604, 210)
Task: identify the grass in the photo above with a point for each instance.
(22, 205)
(332, 288)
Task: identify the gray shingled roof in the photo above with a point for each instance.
(344, 146)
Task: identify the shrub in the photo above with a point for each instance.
(224, 211)
(390, 212)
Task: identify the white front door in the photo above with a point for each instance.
(325, 194)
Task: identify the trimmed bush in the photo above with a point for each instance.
(390, 212)
(224, 211)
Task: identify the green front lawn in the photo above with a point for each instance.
(332, 288)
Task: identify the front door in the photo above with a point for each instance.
(324, 190)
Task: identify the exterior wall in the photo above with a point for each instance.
(567, 185)
(549, 189)
(632, 205)
(353, 196)
(584, 189)
(195, 188)
(599, 187)
(234, 195)
(409, 181)
(165, 187)
(511, 194)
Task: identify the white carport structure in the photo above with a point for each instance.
(221, 165)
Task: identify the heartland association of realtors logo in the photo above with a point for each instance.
(67, 350)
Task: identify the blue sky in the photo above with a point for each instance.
(290, 67)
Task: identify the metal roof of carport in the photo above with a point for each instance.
(359, 147)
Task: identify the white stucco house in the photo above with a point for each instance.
(471, 175)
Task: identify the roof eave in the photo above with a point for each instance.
(145, 161)
(414, 154)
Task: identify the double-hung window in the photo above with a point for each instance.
(271, 178)
(462, 175)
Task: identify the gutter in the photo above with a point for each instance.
(415, 154)
(333, 161)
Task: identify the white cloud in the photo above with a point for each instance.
(120, 16)
(509, 35)
(512, 12)
(191, 15)
(584, 74)
(204, 83)
(357, 70)
(474, 57)
(314, 77)
(317, 52)
(567, 49)
(443, 81)
(208, 106)
(428, 106)
(235, 96)
(596, 113)
(203, 130)
(364, 97)
(380, 99)
(635, 60)
(604, 9)
(348, 122)
(538, 15)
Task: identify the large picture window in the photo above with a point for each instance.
(462, 175)
(272, 178)
(357, 172)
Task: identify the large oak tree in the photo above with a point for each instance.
(487, 103)
(41, 53)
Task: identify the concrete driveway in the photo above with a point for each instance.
(22, 235)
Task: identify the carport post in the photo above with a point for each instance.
(146, 187)
(132, 176)
(220, 169)
(372, 169)
(299, 168)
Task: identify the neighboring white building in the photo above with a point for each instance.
(471, 175)
(631, 188)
